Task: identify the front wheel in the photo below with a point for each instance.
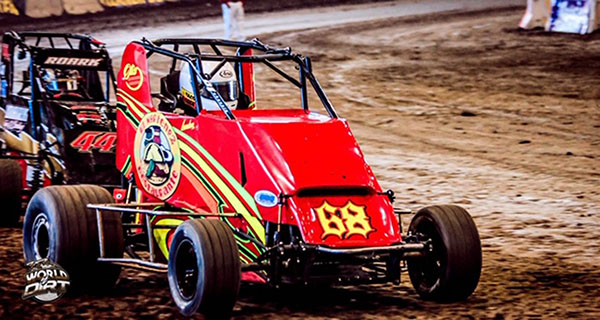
(59, 226)
(450, 271)
(204, 268)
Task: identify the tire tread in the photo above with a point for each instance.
(462, 245)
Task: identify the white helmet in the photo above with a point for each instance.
(224, 82)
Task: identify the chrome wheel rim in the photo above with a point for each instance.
(41, 236)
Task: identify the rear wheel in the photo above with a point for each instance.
(204, 268)
(451, 269)
(58, 226)
(11, 191)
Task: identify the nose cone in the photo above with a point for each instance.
(309, 151)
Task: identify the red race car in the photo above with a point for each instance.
(223, 190)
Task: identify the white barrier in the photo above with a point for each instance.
(572, 16)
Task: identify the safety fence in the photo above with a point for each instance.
(48, 8)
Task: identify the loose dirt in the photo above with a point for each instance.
(449, 108)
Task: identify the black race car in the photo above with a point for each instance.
(57, 125)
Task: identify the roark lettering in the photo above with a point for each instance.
(76, 62)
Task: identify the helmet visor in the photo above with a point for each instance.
(228, 90)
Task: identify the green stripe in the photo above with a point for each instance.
(205, 183)
(246, 252)
(215, 194)
(128, 114)
(232, 181)
(139, 104)
(127, 165)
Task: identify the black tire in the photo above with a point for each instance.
(204, 268)
(59, 226)
(451, 270)
(11, 192)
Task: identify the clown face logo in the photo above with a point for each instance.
(157, 156)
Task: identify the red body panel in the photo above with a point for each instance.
(306, 150)
(134, 55)
(312, 160)
(248, 79)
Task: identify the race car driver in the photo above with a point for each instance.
(63, 84)
(224, 81)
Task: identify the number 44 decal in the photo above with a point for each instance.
(88, 140)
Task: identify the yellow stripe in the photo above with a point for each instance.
(224, 172)
(139, 104)
(130, 105)
(238, 206)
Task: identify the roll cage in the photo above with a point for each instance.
(73, 45)
(73, 48)
(243, 55)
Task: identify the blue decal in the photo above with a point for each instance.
(266, 198)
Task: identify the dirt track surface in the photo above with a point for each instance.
(449, 108)
(142, 16)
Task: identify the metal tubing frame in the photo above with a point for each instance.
(403, 247)
(131, 208)
(271, 54)
(136, 263)
(406, 250)
(19, 39)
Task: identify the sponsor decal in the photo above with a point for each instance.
(45, 281)
(187, 125)
(188, 97)
(133, 76)
(570, 16)
(73, 62)
(95, 140)
(226, 74)
(157, 156)
(343, 222)
(266, 198)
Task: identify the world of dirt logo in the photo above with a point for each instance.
(45, 281)
(157, 156)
